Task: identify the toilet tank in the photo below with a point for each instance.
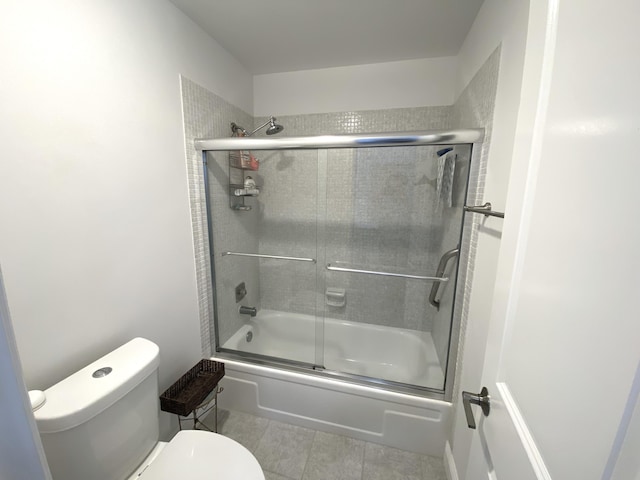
(102, 421)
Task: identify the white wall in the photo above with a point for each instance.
(96, 245)
(498, 22)
(411, 83)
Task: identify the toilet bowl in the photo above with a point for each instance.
(195, 454)
(101, 423)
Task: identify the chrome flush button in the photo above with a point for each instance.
(102, 372)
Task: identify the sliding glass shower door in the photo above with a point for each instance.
(391, 214)
(265, 255)
(347, 255)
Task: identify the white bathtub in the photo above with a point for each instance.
(387, 353)
(399, 420)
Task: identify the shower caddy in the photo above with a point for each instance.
(241, 185)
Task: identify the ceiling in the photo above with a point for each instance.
(269, 36)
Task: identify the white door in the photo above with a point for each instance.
(563, 354)
(21, 453)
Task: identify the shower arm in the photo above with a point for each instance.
(261, 126)
(235, 128)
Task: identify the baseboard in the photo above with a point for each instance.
(449, 463)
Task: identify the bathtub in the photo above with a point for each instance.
(400, 420)
(396, 354)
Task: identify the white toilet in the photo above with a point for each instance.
(101, 423)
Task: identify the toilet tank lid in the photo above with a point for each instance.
(86, 393)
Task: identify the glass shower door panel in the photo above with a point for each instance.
(283, 296)
(271, 249)
(386, 225)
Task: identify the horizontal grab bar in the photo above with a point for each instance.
(385, 274)
(484, 210)
(276, 257)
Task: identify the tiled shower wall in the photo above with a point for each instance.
(206, 115)
(450, 238)
(286, 224)
(373, 208)
(473, 109)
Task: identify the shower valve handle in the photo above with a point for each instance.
(481, 399)
(253, 311)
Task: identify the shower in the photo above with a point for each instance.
(272, 130)
(348, 272)
(335, 283)
(341, 241)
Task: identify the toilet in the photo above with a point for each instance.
(101, 423)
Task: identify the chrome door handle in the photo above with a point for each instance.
(481, 399)
(442, 266)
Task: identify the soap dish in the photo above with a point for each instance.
(336, 297)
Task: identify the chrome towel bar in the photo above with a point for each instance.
(385, 274)
(276, 257)
(484, 210)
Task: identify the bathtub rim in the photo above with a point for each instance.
(310, 374)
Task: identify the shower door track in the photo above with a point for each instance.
(367, 140)
(321, 371)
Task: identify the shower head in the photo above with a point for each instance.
(273, 127)
(272, 130)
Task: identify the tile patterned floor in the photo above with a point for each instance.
(288, 452)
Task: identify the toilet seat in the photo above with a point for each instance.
(199, 455)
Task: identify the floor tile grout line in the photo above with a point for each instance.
(263, 433)
(278, 474)
(306, 463)
(364, 456)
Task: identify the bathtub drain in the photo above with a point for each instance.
(249, 336)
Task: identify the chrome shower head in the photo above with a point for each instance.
(273, 127)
